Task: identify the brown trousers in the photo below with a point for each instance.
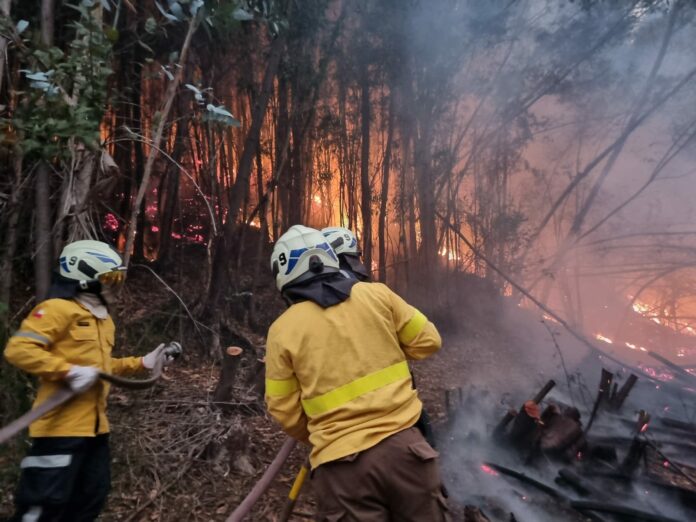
(397, 480)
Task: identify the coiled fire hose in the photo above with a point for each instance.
(65, 394)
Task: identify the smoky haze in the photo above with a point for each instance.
(560, 141)
(559, 136)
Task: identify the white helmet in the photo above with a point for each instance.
(300, 254)
(88, 261)
(342, 240)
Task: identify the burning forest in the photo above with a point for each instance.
(521, 172)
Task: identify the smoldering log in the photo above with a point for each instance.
(620, 397)
(604, 386)
(525, 422)
(630, 464)
(562, 433)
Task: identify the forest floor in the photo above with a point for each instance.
(176, 457)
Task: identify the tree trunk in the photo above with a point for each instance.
(42, 231)
(5, 12)
(13, 209)
(365, 187)
(171, 195)
(42, 216)
(384, 196)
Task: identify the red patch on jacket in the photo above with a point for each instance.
(39, 313)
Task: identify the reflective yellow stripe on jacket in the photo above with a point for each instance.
(415, 326)
(348, 392)
(343, 394)
(281, 388)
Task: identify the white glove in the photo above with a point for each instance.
(81, 378)
(171, 352)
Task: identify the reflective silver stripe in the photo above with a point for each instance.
(32, 335)
(46, 461)
(33, 515)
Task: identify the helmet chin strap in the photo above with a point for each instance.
(93, 287)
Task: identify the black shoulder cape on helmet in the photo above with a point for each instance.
(325, 290)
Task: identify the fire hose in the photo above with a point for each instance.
(64, 394)
(264, 482)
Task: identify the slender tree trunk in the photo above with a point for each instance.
(171, 199)
(5, 12)
(13, 209)
(42, 216)
(282, 130)
(365, 187)
(384, 196)
(47, 22)
(43, 251)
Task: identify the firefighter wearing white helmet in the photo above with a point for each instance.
(337, 377)
(67, 340)
(300, 254)
(345, 244)
(89, 262)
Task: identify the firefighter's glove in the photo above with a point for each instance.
(171, 351)
(81, 378)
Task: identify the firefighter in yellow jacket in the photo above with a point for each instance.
(68, 339)
(337, 378)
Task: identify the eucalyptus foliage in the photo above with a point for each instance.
(65, 92)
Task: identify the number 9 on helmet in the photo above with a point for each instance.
(301, 254)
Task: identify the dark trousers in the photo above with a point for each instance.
(398, 480)
(64, 479)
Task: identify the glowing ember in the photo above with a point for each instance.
(111, 222)
(603, 338)
(644, 428)
(154, 228)
(452, 256)
(665, 464)
(487, 469)
(655, 374)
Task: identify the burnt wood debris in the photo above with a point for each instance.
(611, 460)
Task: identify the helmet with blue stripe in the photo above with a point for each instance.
(87, 261)
(342, 240)
(301, 254)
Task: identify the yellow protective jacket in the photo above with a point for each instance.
(338, 377)
(57, 334)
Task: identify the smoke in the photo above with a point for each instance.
(523, 101)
